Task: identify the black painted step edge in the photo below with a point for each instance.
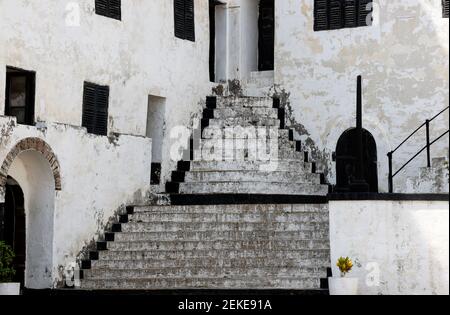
(236, 199)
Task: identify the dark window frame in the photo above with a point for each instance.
(109, 8)
(340, 14)
(184, 19)
(95, 108)
(30, 94)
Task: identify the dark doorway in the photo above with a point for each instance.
(266, 27)
(12, 226)
(212, 39)
(20, 90)
(346, 158)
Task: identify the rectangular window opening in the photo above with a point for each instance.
(339, 14)
(156, 119)
(109, 8)
(95, 108)
(20, 95)
(184, 14)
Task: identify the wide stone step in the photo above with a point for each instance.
(219, 245)
(244, 122)
(249, 154)
(248, 113)
(207, 262)
(211, 272)
(263, 146)
(271, 166)
(171, 226)
(250, 132)
(221, 235)
(263, 209)
(236, 102)
(234, 217)
(303, 254)
(201, 283)
(252, 176)
(267, 188)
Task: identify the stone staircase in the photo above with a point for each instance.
(247, 211)
(433, 180)
(213, 247)
(245, 149)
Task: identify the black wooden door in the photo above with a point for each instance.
(212, 40)
(346, 158)
(266, 26)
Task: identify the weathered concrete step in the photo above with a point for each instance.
(244, 122)
(250, 154)
(219, 245)
(207, 262)
(230, 112)
(235, 102)
(221, 235)
(201, 283)
(265, 209)
(268, 188)
(253, 145)
(219, 226)
(271, 166)
(252, 176)
(303, 254)
(251, 132)
(210, 272)
(227, 217)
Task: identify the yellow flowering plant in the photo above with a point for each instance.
(345, 265)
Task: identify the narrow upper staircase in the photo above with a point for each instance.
(247, 211)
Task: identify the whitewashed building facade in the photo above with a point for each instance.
(93, 93)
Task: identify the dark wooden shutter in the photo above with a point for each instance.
(95, 108)
(336, 15)
(184, 13)
(179, 18)
(189, 20)
(364, 10)
(350, 13)
(109, 8)
(320, 15)
(445, 8)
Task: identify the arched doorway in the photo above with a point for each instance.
(12, 228)
(29, 177)
(346, 159)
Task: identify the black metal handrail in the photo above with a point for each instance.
(427, 147)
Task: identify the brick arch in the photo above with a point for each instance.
(34, 144)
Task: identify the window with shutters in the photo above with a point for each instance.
(338, 14)
(445, 8)
(184, 19)
(95, 108)
(109, 8)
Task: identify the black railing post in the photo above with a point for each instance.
(391, 178)
(428, 144)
